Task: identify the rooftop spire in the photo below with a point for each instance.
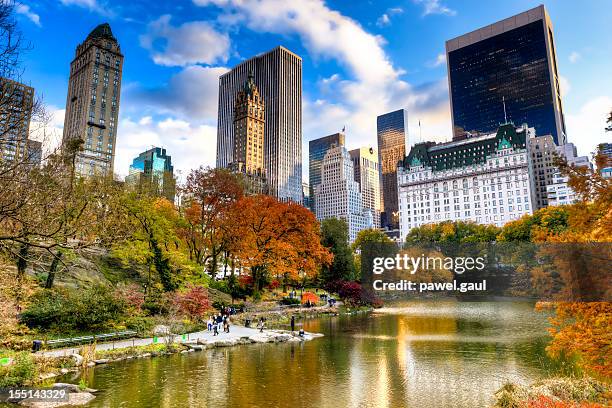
(102, 31)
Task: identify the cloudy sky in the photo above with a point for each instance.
(360, 59)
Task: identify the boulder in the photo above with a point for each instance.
(78, 359)
(161, 330)
(101, 361)
(74, 399)
(91, 364)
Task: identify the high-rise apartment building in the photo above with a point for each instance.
(543, 151)
(367, 174)
(558, 191)
(486, 179)
(16, 101)
(338, 196)
(152, 173)
(606, 150)
(316, 152)
(278, 75)
(391, 129)
(506, 69)
(92, 104)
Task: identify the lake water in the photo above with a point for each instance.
(417, 355)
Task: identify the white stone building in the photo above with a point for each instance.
(338, 196)
(485, 179)
(558, 191)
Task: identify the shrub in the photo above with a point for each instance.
(139, 324)
(275, 284)
(21, 372)
(89, 309)
(290, 301)
(309, 297)
(193, 303)
(133, 295)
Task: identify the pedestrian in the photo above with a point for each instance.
(215, 329)
(227, 324)
(261, 324)
(209, 324)
(292, 323)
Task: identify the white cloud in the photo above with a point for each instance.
(190, 43)
(25, 10)
(564, 84)
(434, 7)
(191, 94)
(91, 5)
(440, 60)
(49, 129)
(370, 85)
(586, 128)
(189, 145)
(385, 19)
(574, 57)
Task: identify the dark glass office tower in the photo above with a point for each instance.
(391, 133)
(316, 151)
(511, 61)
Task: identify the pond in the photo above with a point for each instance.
(413, 354)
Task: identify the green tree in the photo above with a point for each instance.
(334, 236)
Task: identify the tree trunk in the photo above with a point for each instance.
(22, 264)
(52, 270)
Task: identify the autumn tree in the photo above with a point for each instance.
(210, 194)
(276, 239)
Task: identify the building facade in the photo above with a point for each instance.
(486, 179)
(558, 191)
(367, 174)
(152, 173)
(606, 150)
(391, 129)
(512, 61)
(316, 152)
(249, 128)
(278, 74)
(338, 196)
(92, 105)
(543, 151)
(16, 102)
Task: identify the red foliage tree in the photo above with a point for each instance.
(193, 303)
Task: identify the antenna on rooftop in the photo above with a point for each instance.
(505, 116)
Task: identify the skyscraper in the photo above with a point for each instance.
(316, 152)
(92, 105)
(367, 174)
(16, 101)
(249, 128)
(152, 173)
(506, 69)
(391, 133)
(278, 75)
(338, 196)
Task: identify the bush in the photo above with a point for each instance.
(353, 294)
(21, 372)
(290, 301)
(89, 309)
(139, 324)
(192, 303)
(310, 297)
(133, 295)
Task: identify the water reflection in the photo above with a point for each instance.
(414, 355)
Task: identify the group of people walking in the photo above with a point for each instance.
(216, 321)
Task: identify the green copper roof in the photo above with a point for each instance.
(102, 31)
(249, 85)
(463, 153)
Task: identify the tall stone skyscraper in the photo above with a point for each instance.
(391, 132)
(506, 69)
(278, 75)
(92, 105)
(16, 101)
(249, 129)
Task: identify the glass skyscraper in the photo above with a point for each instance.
(152, 173)
(391, 133)
(316, 152)
(506, 70)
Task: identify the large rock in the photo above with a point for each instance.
(74, 399)
(161, 330)
(78, 359)
(101, 361)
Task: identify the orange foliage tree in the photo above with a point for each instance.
(275, 238)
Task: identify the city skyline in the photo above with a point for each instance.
(341, 87)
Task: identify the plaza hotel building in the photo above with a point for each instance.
(486, 179)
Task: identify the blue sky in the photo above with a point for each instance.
(361, 59)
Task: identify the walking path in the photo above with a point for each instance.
(236, 333)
